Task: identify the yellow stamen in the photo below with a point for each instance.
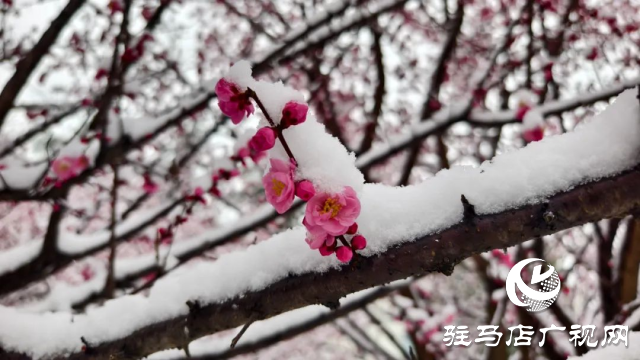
(277, 187)
(331, 205)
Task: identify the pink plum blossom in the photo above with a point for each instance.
(232, 101)
(334, 213)
(305, 190)
(68, 167)
(263, 140)
(279, 185)
(294, 114)
(316, 237)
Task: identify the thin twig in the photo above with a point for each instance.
(237, 337)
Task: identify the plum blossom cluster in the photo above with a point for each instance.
(330, 217)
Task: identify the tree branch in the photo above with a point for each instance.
(437, 78)
(609, 197)
(370, 129)
(30, 61)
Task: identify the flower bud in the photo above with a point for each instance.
(305, 190)
(263, 140)
(359, 242)
(344, 254)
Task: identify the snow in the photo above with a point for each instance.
(618, 352)
(13, 258)
(321, 158)
(603, 146)
(15, 175)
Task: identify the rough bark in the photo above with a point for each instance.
(630, 263)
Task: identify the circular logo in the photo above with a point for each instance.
(546, 286)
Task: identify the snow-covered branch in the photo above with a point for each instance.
(194, 247)
(410, 231)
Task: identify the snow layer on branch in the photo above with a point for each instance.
(606, 145)
(321, 157)
(617, 352)
(15, 175)
(13, 258)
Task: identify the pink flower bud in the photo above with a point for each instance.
(305, 190)
(326, 250)
(344, 254)
(352, 229)
(263, 140)
(294, 114)
(359, 242)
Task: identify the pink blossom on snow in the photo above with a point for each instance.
(335, 213)
(279, 185)
(294, 114)
(232, 101)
